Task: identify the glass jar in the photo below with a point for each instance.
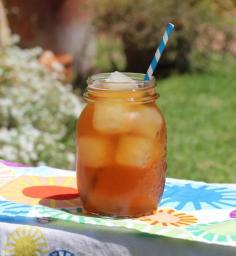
(121, 148)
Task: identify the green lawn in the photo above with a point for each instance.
(200, 111)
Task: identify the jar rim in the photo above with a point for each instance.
(144, 91)
(138, 80)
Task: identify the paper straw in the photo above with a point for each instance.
(159, 51)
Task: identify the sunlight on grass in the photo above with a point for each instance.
(200, 111)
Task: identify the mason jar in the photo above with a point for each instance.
(121, 147)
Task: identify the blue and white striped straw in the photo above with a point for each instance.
(159, 51)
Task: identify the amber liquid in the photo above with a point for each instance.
(121, 161)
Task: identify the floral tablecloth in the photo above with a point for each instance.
(40, 214)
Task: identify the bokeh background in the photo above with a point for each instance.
(49, 48)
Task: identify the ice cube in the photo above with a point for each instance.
(119, 77)
(95, 151)
(148, 121)
(135, 151)
(112, 117)
(119, 81)
(160, 151)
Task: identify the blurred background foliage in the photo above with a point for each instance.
(202, 28)
(196, 74)
(38, 111)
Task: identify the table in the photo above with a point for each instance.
(40, 214)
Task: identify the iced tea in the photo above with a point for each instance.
(121, 148)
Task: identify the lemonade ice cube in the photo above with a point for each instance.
(134, 151)
(111, 117)
(148, 122)
(95, 151)
(119, 81)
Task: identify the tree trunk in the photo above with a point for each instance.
(5, 34)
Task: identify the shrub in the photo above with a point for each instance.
(140, 25)
(37, 112)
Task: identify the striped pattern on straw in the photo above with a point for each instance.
(159, 51)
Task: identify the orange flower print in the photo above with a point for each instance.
(169, 218)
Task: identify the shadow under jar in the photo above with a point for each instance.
(121, 148)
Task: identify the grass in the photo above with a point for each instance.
(200, 112)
